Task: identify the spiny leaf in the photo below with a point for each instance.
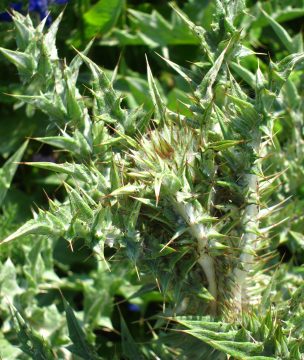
(79, 345)
(8, 170)
(222, 337)
(125, 190)
(79, 205)
(157, 100)
(45, 224)
(172, 32)
(76, 144)
(22, 61)
(240, 350)
(24, 30)
(244, 73)
(198, 31)
(50, 104)
(77, 61)
(31, 342)
(109, 102)
(281, 33)
(204, 90)
(78, 171)
(281, 71)
(186, 74)
(50, 38)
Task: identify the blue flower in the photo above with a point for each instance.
(38, 6)
(6, 16)
(41, 7)
(59, 2)
(133, 308)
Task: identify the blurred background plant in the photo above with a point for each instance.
(116, 311)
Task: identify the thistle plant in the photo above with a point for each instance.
(190, 203)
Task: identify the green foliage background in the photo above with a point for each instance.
(63, 295)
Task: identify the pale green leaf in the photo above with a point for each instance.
(8, 170)
(24, 63)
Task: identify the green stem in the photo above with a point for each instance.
(192, 215)
(249, 238)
